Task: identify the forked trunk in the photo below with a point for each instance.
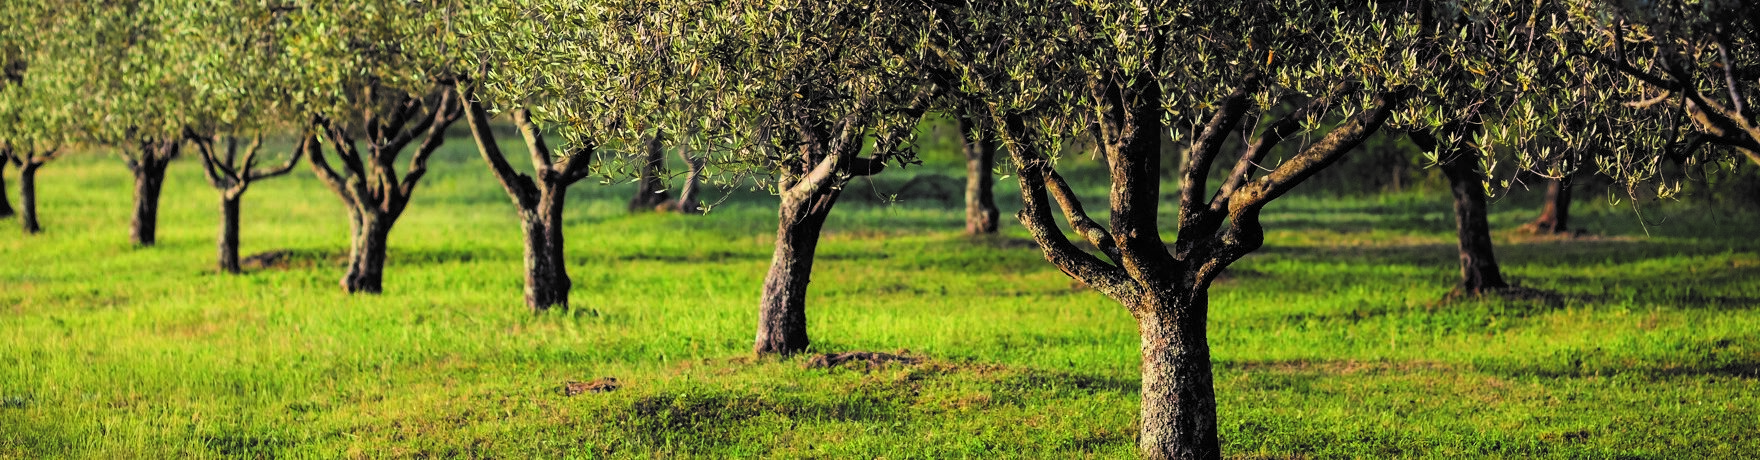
(547, 282)
(5, 203)
(366, 260)
(1178, 397)
(149, 179)
(782, 313)
(1479, 271)
(27, 198)
(980, 152)
(651, 187)
(228, 241)
(1556, 213)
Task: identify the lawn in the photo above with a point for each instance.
(1332, 341)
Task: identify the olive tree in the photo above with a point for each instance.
(374, 78)
(38, 96)
(1124, 70)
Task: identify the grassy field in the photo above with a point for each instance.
(1332, 341)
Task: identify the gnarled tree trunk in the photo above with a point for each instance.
(149, 180)
(980, 150)
(1178, 410)
(27, 198)
(366, 258)
(547, 282)
(1556, 213)
(782, 312)
(688, 202)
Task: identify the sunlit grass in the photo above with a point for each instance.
(1331, 341)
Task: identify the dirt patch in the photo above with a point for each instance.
(602, 385)
(286, 259)
(867, 360)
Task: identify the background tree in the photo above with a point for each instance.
(37, 95)
(978, 143)
(1119, 70)
(376, 78)
(1685, 81)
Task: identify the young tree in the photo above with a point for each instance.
(232, 175)
(1050, 70)
(28, 159)
(376, 78)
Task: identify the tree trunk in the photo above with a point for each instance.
(651, 188)
(366, 260)
(5, 203)
(687, 196)
(228, 241)
(980, 152)
(547, 282)
(27, 198)
(782, 313)
(1479, 270)
(1555, 215)
(1178, 397)
(149, 179)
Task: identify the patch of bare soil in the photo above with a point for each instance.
(867, 360)
(602, 385)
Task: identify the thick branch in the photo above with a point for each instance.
(1036, 216)
(519, 186)
(1078, 219)
(447, 112)
(292, 160)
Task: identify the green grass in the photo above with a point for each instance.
(1330, 342)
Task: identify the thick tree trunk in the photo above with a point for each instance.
(1178, 397)
(228, 241)
(5, 203)
(1556, 213)
(980, 152)
(547, 282)
(651, 188)
(27, 198)
(149, 179)
(366, 260)
(782, 313)
(1479, 271)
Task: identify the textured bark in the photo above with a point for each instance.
(688, 202)
(5, 203)
(1555, 214)
(228, 241)
(149, 180)
(651, 185)
(27, 198)
(980, 150)
(1479, 270)
(1178, 395)
(366, 264)
(547, 282)
(782, 312)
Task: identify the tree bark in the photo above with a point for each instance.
(651, 187)
(149, 179)
(366, 266)
(782, 312)
(1555, 214)
(27, 198)
(5, 203)
(1479, 270)
(1178, 395)
(980, 150)
(688, 202)
(547, 282)
(228, 241)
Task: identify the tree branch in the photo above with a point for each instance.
(1078, 218)
(447, 112)
(292, 160)
(519, 186)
